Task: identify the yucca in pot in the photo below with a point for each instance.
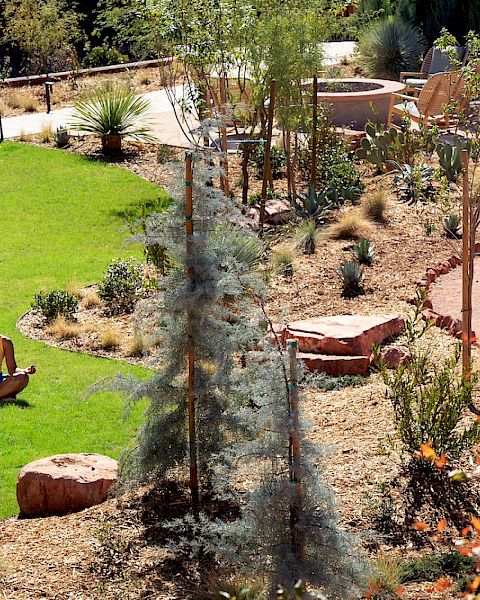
(112, 112)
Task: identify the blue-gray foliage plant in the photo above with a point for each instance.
(243, 418)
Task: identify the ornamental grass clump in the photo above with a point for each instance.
(307, 235)
(350, 226)
(375, 206)
(112, 112)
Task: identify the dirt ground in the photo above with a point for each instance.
(77, 556)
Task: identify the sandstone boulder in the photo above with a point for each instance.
(345, 335)
(65, 483)
(276, 212)
(394, 357)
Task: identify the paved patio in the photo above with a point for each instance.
(165, 125)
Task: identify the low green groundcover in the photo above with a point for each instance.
(61, 222)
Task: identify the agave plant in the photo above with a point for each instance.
(389, 47)
(451, 226)
(364, 252)
(414, 184)
(351, 276)
(112, 112)
(307, 235)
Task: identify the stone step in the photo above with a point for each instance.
(335, 365)
(344, 335)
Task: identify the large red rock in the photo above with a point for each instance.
(277, 211)
(394, 357)
(336, 366)
(346, 335)
(65, 483)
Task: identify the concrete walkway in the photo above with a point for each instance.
(163, 121)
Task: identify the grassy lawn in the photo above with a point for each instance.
(60, 224)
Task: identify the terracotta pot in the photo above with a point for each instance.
(111, 143)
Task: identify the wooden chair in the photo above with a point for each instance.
(433, 63)
(429, 107)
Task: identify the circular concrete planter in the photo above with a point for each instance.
(352, 109)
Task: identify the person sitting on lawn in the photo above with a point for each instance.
(17, 379)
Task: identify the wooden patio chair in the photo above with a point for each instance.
(434, 62)
(429, 107)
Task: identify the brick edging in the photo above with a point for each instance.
(450, 324)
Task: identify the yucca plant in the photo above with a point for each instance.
(351, 276)
(307, 236)
(112, 112)
(451, 226)
(245, 249)
(364, 252)
(389, 47)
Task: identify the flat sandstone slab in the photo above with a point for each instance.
(65, 483)
(344, 335)
(336, 366)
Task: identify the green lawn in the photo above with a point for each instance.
(60, 223)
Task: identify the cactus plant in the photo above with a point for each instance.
(450, 157)
(351, 276)
(380, 146)
(451, 226)
(364, 252)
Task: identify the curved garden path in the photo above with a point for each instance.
(446, 295)
(62, 223)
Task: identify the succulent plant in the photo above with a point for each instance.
(311, 205)
(351, 276)
(413, 183)
(451, 226)
(364, 252)
(62, 137)
(450, 157)
(376, 147)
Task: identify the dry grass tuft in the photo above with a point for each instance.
(63, 329)
(110, 339)
(137, 346)
(46, 133)
(3, 108)
(73, 287)
(282, 261)
(27, 103)
(351, 226)
(23, 137)
(375, 206)
(90, 299)
(144, 79)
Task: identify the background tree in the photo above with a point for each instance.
(45, 31)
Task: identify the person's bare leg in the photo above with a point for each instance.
(14, 384)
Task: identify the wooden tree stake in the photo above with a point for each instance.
(192, 436)
(223, 138)
(267, 167)
(296, 505)
(313, 175)
(467, 270)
